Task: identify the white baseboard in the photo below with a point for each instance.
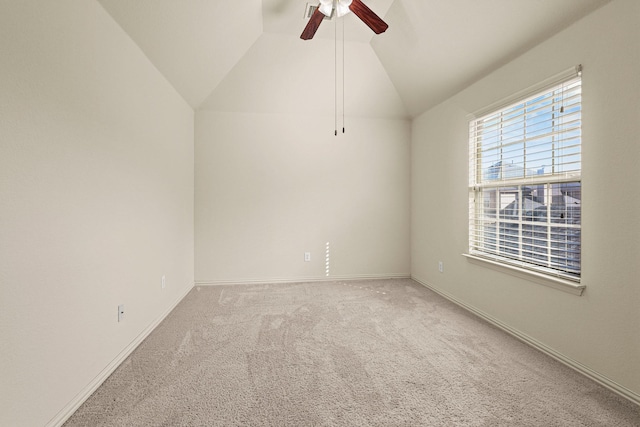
(80, 398)
(577, 366)
(300, 279)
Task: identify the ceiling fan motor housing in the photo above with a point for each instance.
(340, 6)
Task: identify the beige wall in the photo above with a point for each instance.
(96, 201)
(273, 182)
(270, 187)
(599, 330)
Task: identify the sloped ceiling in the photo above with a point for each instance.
(282, 74)
(194, 43)
(246, 55)
(435, 48)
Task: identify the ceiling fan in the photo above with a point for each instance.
(341, 8)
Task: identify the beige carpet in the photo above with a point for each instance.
(358, 353)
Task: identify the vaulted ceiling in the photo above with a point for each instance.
(246, 55)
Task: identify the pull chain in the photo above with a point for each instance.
(343, 105)
(335, 62)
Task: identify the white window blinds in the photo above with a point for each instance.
(525, 181)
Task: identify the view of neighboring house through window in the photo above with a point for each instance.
(525, 182)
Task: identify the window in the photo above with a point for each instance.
(525, 181)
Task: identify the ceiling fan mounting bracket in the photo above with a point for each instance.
(310, 9)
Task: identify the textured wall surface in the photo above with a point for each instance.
(271, 187)
(96, 194)
(600, 329)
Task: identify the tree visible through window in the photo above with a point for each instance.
(525, 182)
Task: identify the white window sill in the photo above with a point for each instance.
(540, 278)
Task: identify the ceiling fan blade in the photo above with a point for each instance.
(368, 17)
(312, 25)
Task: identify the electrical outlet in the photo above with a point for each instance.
(120, 312)
(307, 256)
(164, 282)
(440, 267)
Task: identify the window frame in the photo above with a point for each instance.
(479, 186)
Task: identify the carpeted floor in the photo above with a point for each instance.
(356, 353)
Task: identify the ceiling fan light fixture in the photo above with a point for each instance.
(342, 7)
(326, 7)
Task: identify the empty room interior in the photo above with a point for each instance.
(160, 154)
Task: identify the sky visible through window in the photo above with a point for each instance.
(538, 137)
